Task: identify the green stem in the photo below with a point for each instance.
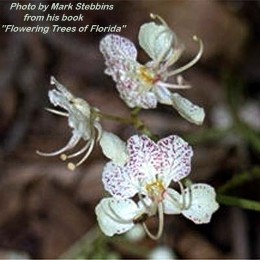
(135, 111)
(240, 179)
(133, 120)
(126, 121)
(207, 135)
(238, 202)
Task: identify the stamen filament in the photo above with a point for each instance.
(73, 166)
(173, 86)
(72, 142)
(156, 16)
(161, 224)
(57, 112)
(192, 62)
(82, 150)
(183, 204)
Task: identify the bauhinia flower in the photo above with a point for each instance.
(148, 173)
(82, 118)
(145, 85)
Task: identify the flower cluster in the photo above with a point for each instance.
(150, 169)
(141, 171)
(145, 85)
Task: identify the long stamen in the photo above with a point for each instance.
(64, 157)
(179, 48)
(57, 112)
(156, 16)
(73, 166)
(183, 204)
(173, 86)
(192, 62)
(161, 224)
(72, 142)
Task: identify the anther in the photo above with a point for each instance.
(63, 157)
(71, 166)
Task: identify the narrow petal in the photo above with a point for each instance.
(58, 99)
(116, 216)
(186, 109)
(200, 203)
(114, 148)
(176, 162)
(163, 95)
(145, 158)
(171, 202)
(117, 181)
(156, 40)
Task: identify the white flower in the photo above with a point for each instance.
(148, 173)
(82, 118)
(145, 85)
(150, 168)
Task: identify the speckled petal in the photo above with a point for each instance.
(116, 216)
(117, 182)
(201, 200)
(130, 93)
(113, 46)
(176, 154)
(145, 158)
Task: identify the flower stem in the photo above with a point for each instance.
(134, 120)
(126, 121)
(238, 202)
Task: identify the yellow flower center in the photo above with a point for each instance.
(155, 190)
(147, 76)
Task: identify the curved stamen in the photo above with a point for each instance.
(156, 16)
(192, 62)
(173, 86)
(57, 112)
(183, 204)
(99, 130)
(73, 166)
(161, 224)
(72, 142)
(64, 157)
(179, 48)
